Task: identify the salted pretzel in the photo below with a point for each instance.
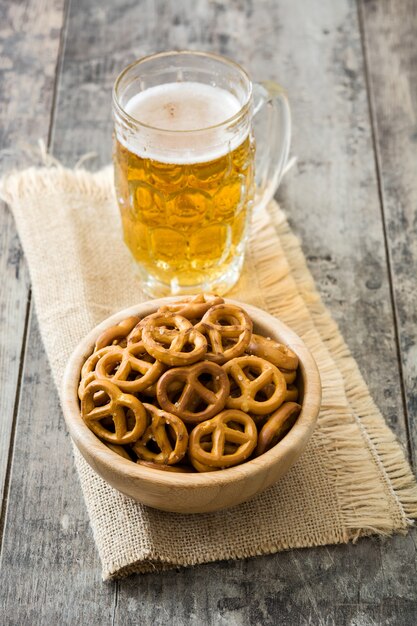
(167, 337)
(88, 369)
(228, 329)
(277, 426)
(135, 335)
(277, 353)
(181, 469)
(162, 425)
(119, 408)
(117, 333)
(180, 391)
(224, 428)
(130, 368)
(193, 307)
(150, 392)
(252, 375)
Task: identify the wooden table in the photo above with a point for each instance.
(351, 72)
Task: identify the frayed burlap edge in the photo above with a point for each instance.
(380, 440)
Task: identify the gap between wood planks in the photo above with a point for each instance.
(14, 419)
(29, 304)
(377, 160)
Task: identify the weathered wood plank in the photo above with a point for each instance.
(45, 576)
(50, 572)
(29, 43)
(390, 35)
(333, 586)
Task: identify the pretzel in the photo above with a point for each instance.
(119, 364)
(117, 408)
(226, 340)
(223, 428)
(276, 353)
(150, 392)
(168, 345)
(167, 468)
(183, 383)
(88, 369)
(192, 307)
(229, 448)
(135, 334)
(200, 467)
(120, 450)
(277, 426)
(289, 375)
(291, 394)
(115, 334)
(241, 370)
(157, 432)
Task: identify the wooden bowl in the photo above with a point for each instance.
(195, 492)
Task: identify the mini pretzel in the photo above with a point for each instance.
(117, 333)
(183, 383)
(229, 448)
(193, 307)
(223, 428)
(117, 407)
(88, 369)
(277, 353)
(277, 426)
(228, 329)
(157, 432)
(289, 375)
(200, 467)
(291, 394)
(168, 344)
(266, 375)
(119, 364)
(120, 450)
(135, 334)
(167, 468)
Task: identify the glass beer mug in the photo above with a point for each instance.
(185, 174)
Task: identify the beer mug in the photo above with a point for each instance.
(187, 170)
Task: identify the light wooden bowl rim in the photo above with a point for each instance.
(298, 435)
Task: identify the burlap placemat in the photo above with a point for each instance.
(352, 480)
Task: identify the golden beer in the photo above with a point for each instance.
(184, 166)
(185, 223)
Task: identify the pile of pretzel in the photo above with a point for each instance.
(189, 387)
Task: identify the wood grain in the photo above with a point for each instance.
(29, 44)
(390, 33)
(50, 572)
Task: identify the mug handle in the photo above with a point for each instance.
(272, 152)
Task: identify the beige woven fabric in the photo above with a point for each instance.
(353, 478)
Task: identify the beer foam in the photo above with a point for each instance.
(182, 106)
